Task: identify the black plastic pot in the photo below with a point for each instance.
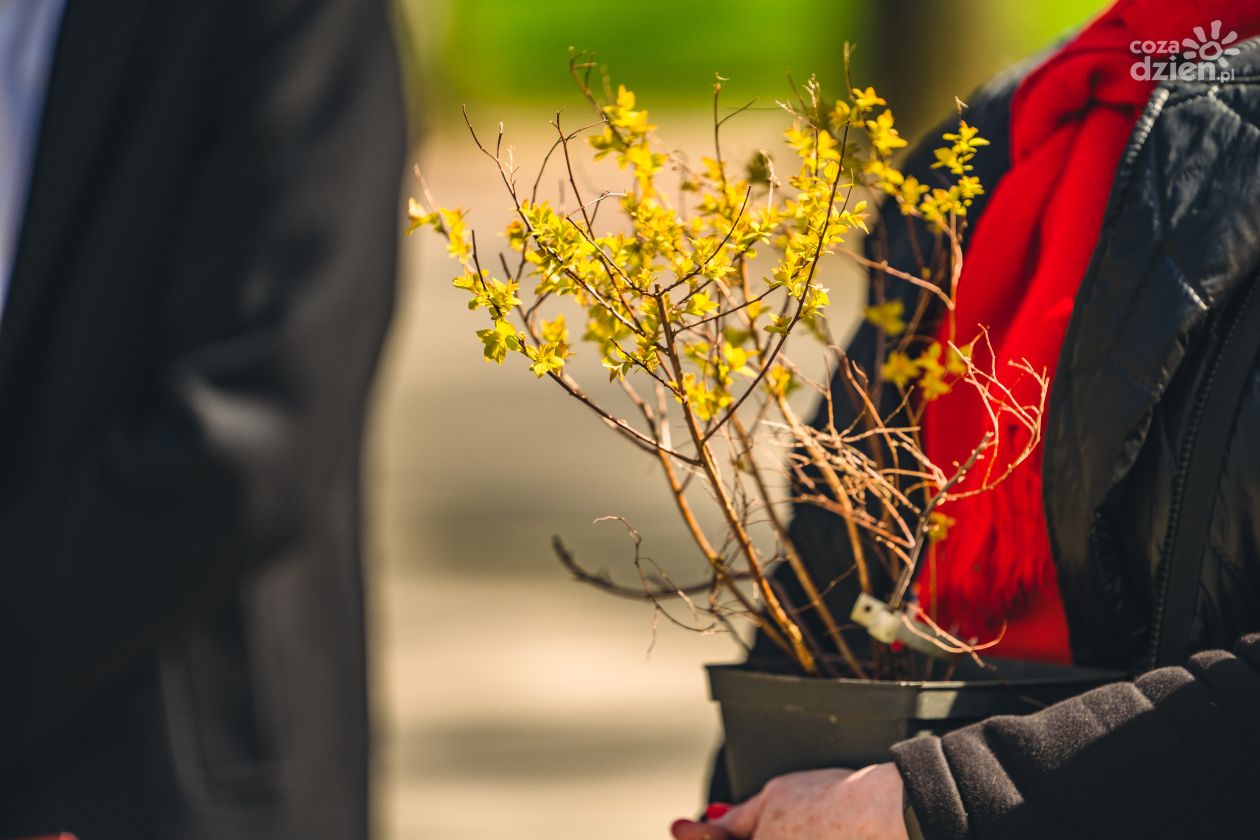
(778, 723)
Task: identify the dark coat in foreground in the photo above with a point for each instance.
(1152, 494)
(202, 286)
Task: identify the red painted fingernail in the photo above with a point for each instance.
(677, 824)
(716, 811)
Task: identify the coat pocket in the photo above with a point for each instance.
(223, 744)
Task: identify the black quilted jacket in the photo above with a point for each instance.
(1147, 457)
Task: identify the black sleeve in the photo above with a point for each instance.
(275, 304)
(1174, 754)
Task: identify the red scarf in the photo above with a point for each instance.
(1070, 121)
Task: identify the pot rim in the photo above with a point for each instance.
(1068, 675)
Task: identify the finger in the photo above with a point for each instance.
(741, 821)
(690, 830)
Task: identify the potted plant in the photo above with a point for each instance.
(689, 303)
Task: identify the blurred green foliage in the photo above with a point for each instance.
(500, 50)
(513, 52)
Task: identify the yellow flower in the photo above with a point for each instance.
(910, 192)
(737, 358)
(883, 136)
(706, 402)
(969, 187)
(828, 146)
(417, 216)
(958, 360)
(780, 380)
(888, 316)
(933, 385)
(939, 525)
(499, 341)
(554, 331)
(840, 114)
(887, 178)
(961, 150)
(546, 359)
(701, 305)
(899, 369)
(864, 100)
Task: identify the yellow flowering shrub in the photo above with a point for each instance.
(662, 270)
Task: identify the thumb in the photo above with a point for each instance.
(741, 821)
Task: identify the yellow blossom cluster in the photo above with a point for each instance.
(932, 374)
(941, 207)
(668, 291)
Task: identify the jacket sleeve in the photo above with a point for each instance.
(1175, 753)
(278, 292)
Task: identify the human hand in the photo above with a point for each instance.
(835, 804)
